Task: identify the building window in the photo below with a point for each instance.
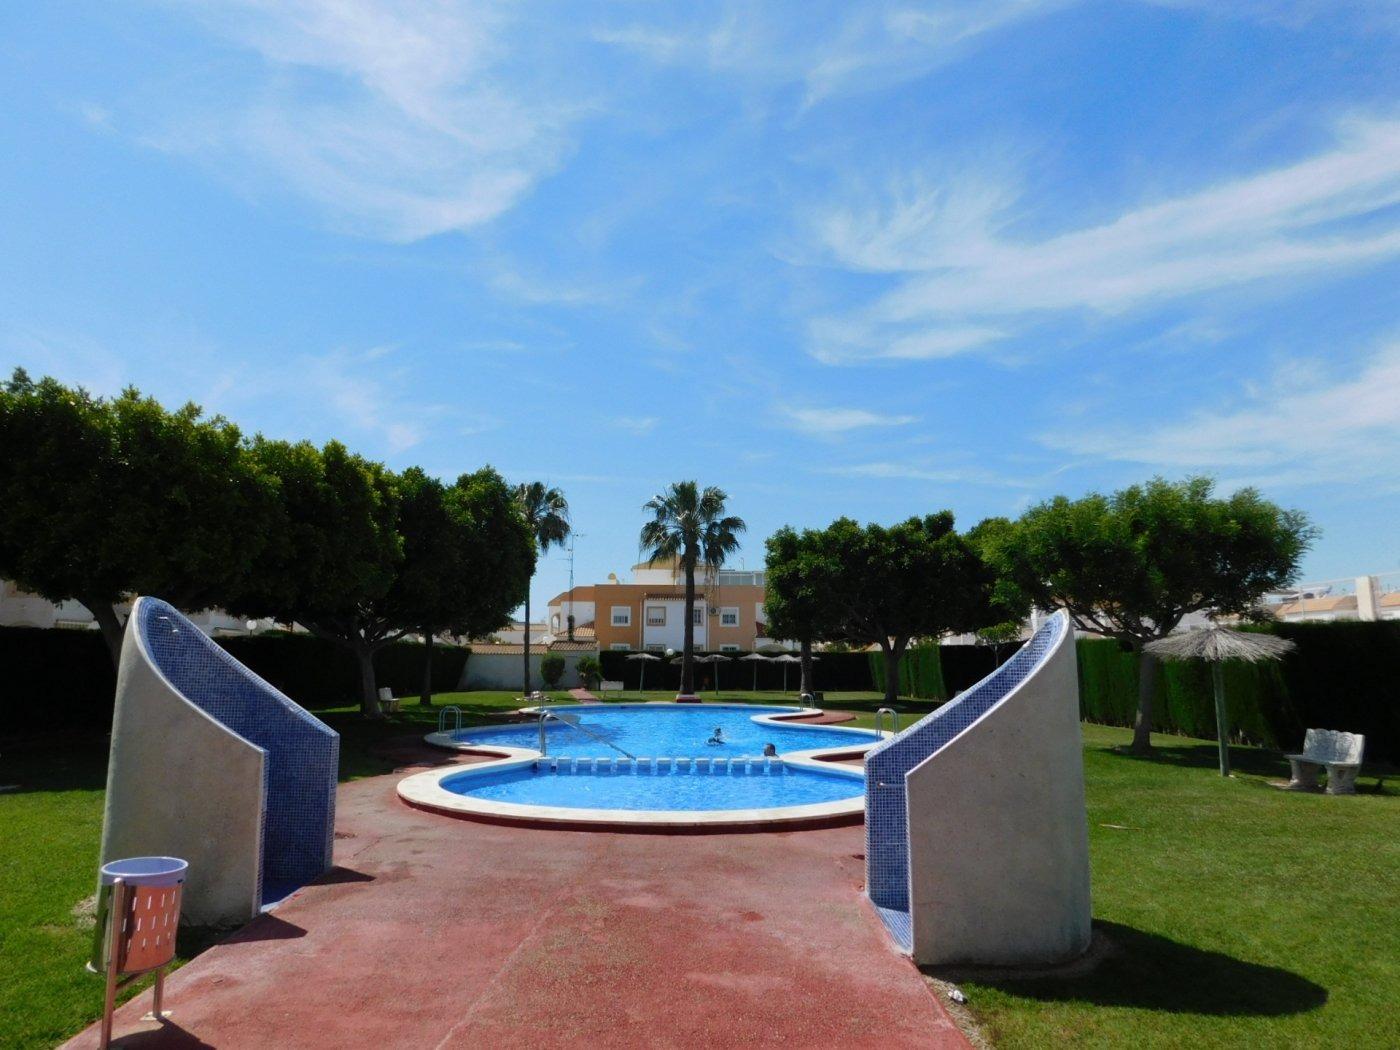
(729, 616)
(698, 616)
(655, 647)
(656, 616)
(622, 616)
(619, 647)
(730, 648)
(554, 622)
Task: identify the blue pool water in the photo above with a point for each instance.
(666, 730)
(745, 786)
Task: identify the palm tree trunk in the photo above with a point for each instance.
(688, 650)
(525, 678)
(1147, 688)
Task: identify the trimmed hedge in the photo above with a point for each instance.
(1342, 676)
(920, 672)
(63, 678)
(843, 672)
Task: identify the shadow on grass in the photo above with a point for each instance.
(1147, 972)
(1253, 760)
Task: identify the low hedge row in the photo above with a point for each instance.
(847, 672)
(60, 678)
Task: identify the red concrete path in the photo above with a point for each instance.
(436, 932)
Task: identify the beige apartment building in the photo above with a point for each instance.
(649, 612)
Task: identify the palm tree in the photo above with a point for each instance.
(690, 525)
(546, 511)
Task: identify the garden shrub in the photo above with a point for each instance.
(920, 672)
(552, 669)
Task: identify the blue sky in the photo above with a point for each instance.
(867, 259)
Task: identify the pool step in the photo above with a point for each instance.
(684, 766)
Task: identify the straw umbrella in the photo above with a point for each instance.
(785, 659)
(756, 659)
(717, 659)
(1215, 645)
(642, 684)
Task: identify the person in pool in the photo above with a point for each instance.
(769, 750)
(717, 737)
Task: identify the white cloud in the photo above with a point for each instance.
(1305, 427)
(831, 422)
(920, 471)
(965, 277)
(399, 119)
(638, 425)
(835, 49)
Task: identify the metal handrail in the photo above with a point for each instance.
(546, 715)
(880, 717)
(456, 718)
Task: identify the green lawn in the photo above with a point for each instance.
(1239, 915)
(1236, 915)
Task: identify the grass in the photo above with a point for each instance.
(1236, 914)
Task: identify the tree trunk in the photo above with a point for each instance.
(111, 625)
(808, 678)
(688, 650)
(892, 654)
(525, 676)
(369, 693)
(426, 698)
(1147, 689)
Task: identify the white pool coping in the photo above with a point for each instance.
(425, 790)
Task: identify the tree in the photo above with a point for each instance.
(552, 669)
(111, 498)
(892, 584)
(467, 559)
(690, 525)
(1131, 565)
(334, 551)
(797, 600)
(590, 669)
(546, 514)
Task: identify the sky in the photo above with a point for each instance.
(865, 259)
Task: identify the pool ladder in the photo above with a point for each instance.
(456, 713)
(547, 715)
(893, 717)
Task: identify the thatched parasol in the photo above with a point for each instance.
(756, 659)
(1216, 645)
(642, 685)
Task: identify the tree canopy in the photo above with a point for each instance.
(891, 584)
(1133, 564)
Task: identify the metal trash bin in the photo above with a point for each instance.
(138, 916)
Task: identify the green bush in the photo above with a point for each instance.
(552, 669)
(590, 670)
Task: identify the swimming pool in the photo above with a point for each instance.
(641, 766)
(661, 730)
(696, 785)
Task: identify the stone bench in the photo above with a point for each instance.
(1338, 752)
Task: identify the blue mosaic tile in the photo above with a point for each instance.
(887, 764)
(303, 753)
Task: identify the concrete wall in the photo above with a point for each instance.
(212, 764)
(998, 840)
(180, 784)
(503, 670)
(976, 836)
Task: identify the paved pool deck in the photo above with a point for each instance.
(437, 932)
